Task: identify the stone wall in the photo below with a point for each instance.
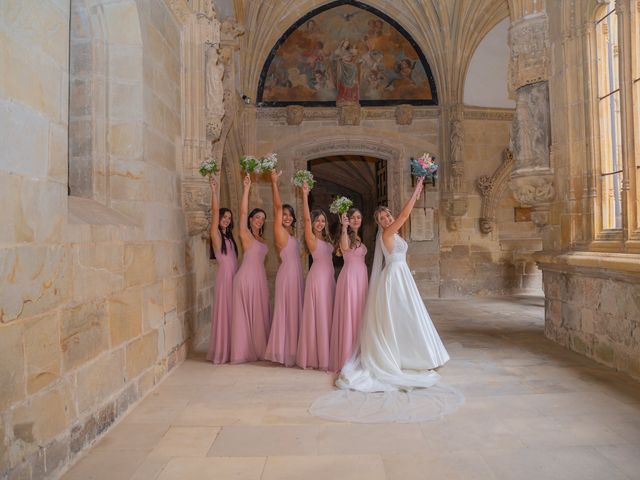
(595, 314)
(95, 305)
(473, 261)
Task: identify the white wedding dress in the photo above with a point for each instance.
(390, 377)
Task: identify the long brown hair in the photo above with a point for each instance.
(228, 234)
(326, 236)
(353, 237)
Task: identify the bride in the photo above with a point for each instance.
(399, 346)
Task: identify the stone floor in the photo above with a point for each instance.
(533, 411)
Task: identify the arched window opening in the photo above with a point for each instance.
(611, 168)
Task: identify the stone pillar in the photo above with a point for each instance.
(455, 197)
(532, 178)
(203, 108)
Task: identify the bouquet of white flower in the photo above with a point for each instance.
(250, 164)
(209, 167)
(268, 163)
(340, 205)
(303, 176)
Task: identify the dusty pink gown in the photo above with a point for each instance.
(351, 294)
(287, 310)
(219, 342)
(250, 320)
(315, 326)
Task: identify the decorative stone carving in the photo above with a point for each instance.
(349, 114)
(491, 189)
(196, 199)
(533, 188)
(530, 133)
(214, 89)
(404, 114)
(230, 30)
(529, 42)
(456, 208)
(532, 176)
(295, 114)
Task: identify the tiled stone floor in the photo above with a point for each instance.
(533, 411)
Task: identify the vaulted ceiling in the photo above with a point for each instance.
(447, 31)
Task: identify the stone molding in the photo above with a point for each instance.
(530, 58)
(332, 145)
(482, 113)
(280, 114)
(491, 189)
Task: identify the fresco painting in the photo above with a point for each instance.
(346, 54)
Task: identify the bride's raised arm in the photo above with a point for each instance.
(404, 214)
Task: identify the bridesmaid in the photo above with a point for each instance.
(225, 252)
(283, 339)
(315, 327)
(351, 291)
(250, 319)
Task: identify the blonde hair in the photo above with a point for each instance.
(379, 210)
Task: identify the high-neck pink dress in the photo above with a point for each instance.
(287, 310)
(250, 320)
(315, 327)
(351, 294)
(220, 339)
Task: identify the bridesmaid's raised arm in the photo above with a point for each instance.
(245, 234)
(404, 214)
(309, 237)
(344, 233)
(280, 234)
(216, 238)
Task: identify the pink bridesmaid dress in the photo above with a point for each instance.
(250, 320)
(351, 294)
(283, 339)
(219, 342)
(315, 327)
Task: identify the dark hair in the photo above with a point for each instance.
(253, 213)
(353, 240)
(292, 212)
(228, 234)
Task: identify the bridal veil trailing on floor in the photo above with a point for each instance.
(390, 377)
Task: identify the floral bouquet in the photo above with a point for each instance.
(340, 205)
(250, 164)
(425, 166)
(209, 167)
(303, 176)
(268, 163)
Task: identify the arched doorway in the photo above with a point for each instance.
(361, 178)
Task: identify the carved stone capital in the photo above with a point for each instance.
(530, 58)
(533, 187)
(349, 114)
(295, 114)
(196, 200)
(230, 30)
(404, 114)
(456, 208)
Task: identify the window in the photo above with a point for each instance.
(635, 32)
(607, 51)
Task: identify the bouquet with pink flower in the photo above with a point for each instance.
(425, 166)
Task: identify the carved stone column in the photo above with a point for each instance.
(201, 84)
(532, 178)
(455, 198)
